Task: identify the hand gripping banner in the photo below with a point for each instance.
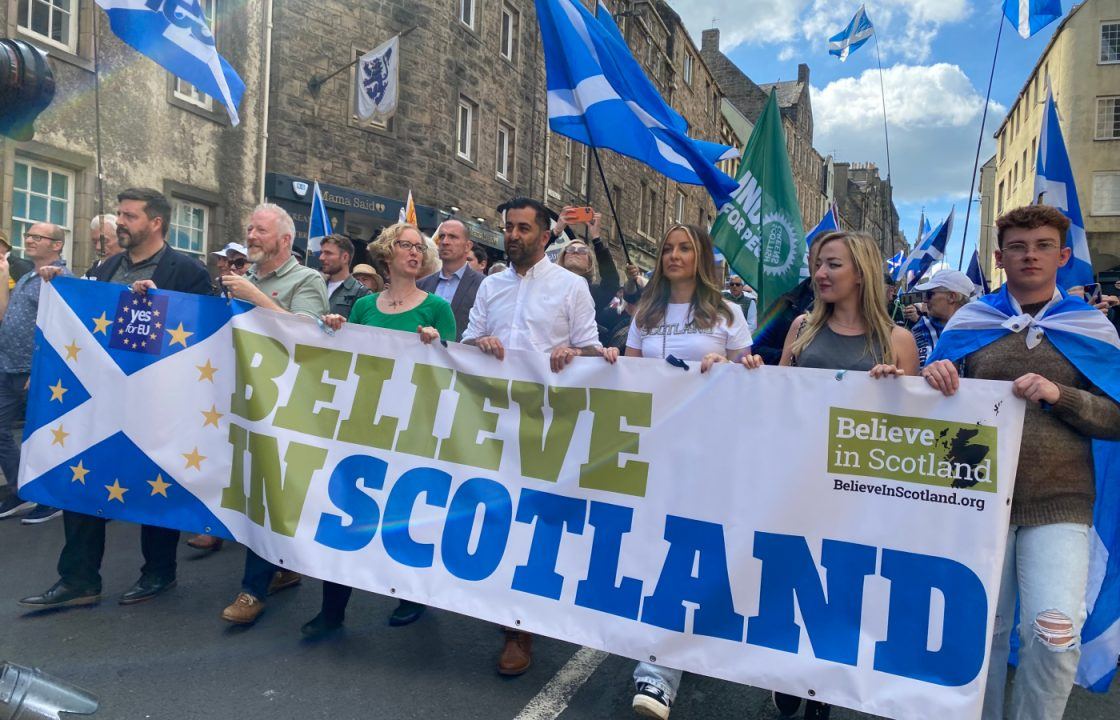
(787, 528)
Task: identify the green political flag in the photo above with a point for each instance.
(759, 231)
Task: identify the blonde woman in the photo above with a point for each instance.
(682, 313)
(402, 306)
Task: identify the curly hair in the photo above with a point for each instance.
(382, 247)
(1030, 217)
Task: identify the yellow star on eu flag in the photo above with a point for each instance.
(57, 391)
(80, 472)
(159, 487)
(60, 436)
(116, 491)
(193, 459)
(206, 372)
(72, 350)
(101, 323)
(179, 335)
(212, 416)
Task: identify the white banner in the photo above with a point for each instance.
(376, 81)
(792, 529)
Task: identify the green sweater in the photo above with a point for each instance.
(434, 311)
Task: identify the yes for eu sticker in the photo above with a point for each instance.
(139, 323)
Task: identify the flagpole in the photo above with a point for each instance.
(610, 202)
(316, 83)
(979, 143)
(883, 93)
(97, 129)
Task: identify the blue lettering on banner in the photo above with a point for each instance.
(344, 493)
(788, 571)
(553, 514)
(710, 587)
(496, 519)
(598, 591)
(400, 546)
(963, 630)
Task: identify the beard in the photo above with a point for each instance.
(256, 254)
(126, 239)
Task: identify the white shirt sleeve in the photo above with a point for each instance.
(634, 336)
(478, 325)
(738, 332)
(583, 331)
(752, 316)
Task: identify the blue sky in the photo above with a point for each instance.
(936, 54)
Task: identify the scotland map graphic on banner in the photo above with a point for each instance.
(860, 555)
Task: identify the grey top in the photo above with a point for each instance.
(294, 287)
(832, 351)
(129, 272)
(17, 330)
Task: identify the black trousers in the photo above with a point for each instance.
(335, 599)
(79, 565)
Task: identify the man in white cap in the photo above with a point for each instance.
(233, 258)
(943, 294)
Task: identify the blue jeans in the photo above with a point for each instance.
(258, 574)
(667, 680)
(1047, 567)
(13, 402)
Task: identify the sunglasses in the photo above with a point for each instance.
(735, 284)
(577, 250)
(238, 263)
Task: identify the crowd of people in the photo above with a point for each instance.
(844, 316)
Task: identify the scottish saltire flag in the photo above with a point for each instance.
(101, 351)
(598, 95)
(1088, 340)
(1030, 16)
(176, 35)
(1054, 185)
(894, 264)
(827, 224)
(853, 37)
(976, 274)
(930, 250)
(319, 226)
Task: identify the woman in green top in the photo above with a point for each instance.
(401, 307)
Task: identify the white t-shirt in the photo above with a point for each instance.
(332, 286)
(677, 335)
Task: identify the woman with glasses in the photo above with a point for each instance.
(401, 306)
(683, 313)
(595, 265)
(847, 329)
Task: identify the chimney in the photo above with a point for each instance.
(803, 73)
(709, 40)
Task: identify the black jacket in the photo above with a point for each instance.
(175, 271)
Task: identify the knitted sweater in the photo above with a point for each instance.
(1055, 481)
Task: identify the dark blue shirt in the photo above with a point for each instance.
(17, 330)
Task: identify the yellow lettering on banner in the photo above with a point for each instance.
(608, 441)
(417, 438)
(363, 427)
(260, 360)
(300, 413)
(471, 418)
(543, 453)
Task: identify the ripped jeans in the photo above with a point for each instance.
(1047, 568)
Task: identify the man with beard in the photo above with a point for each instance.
(456, 282)
(343, 290)
(277, 282)
(143, 217)
(537, 306)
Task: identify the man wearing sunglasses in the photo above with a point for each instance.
(233, 258)
(737, 293)
(42, 245)
(942, 295)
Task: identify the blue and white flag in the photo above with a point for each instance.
(930, 250)
(1089, 342)
(894, 264)
(976, 274)
(319, 226)
(853, 37)
(175, 34)
(1030, 16)
(377, 80)
(598, 95)
(1054, 186)
(827, 224)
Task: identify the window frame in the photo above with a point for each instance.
(207, 218)
(471, 107)
(509, 45)
(1093, 193)
(1101, 103)
(505, 152)
(678, 211)
(688, 71)
(71, 179)
(72, 27)
(1101, 36)
(468, 13)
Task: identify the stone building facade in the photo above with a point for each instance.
(865, 202)
(155, 131)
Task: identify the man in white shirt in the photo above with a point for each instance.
(538, 306)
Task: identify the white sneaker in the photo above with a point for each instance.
(650, 702)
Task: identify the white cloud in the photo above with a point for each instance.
(933, 115)
(787, 53)
(906, 28)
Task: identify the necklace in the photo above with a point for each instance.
(391, 302)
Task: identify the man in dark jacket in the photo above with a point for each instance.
(143, 217)
(456, 282)
(343, 289)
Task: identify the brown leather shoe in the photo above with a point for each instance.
(282, 580)
(517, 655)
(205, 542)
(244, 610)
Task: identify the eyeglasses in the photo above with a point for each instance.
(1022, 248)
(405, 245)
(37, 238)
(734, 284)
(576, 250)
